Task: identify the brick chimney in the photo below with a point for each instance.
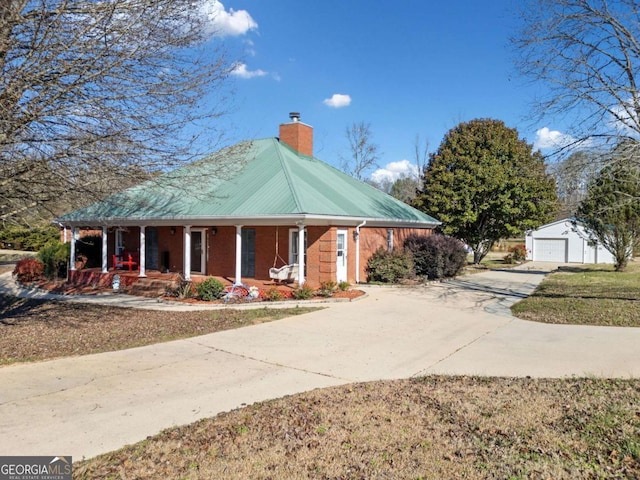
(297, 135)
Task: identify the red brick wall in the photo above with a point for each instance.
(298, 136)
(373, 238)
(131, 238)
(222, 252)
(321, 249)
(172, 243)
(321, 257)
(320, 245)
(82, 232)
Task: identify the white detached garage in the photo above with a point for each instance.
(563, 242)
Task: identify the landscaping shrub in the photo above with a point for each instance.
(519, 252)
(210, 289)
(23, 238)
(389, 267)
(344, 286)
(272, 295)
(28, 270)
(55, 257)
(327, 289)
(302, 293)
(436, 256)
(181, 289)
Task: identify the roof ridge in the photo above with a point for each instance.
(288, 175)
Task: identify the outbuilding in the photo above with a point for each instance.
(564, 241)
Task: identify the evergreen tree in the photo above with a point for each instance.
(484, 184)
(611, 209)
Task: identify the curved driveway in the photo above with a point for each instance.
(88, 405)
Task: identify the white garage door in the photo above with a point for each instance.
(550, 250)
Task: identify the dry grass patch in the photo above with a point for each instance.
(586, 295)
(43, 329)
(433, 427)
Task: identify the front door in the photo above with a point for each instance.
(248, 253)
(197, 251)
(341, 254)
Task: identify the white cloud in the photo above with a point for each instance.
(227, 23)
(394, 171)
(624, 120)
(249, 47)
(240, 70)
(551, 139)
(338, 100)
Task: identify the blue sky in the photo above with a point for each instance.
(406, 67)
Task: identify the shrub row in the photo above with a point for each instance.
(28, 270)
(212, 289)
(51, 263)
(23, 238)
(431, 256)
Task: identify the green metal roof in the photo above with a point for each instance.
(257, 179)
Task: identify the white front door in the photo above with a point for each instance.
(341, 254)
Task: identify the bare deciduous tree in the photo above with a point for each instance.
(405, 188)
(364, 152)
(587, 55)
(96, 95)
(573, 175)
(421, 156)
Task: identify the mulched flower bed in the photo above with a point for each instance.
(62, 287)
(349, 295)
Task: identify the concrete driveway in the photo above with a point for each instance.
(97, 403)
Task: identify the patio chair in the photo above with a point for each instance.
(125, 260)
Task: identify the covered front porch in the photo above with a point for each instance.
(227, 251)
(319, 252)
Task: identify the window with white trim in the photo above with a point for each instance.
(293, 245)
(119, 241)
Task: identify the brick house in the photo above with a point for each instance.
(248, 208)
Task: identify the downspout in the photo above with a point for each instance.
(358, 250)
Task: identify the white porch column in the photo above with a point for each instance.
(301, 253)
(143, 253)
(72, 256)
(187, 252)
(105, 265)
(238, 254)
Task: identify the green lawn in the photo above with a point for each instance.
(586, 295)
